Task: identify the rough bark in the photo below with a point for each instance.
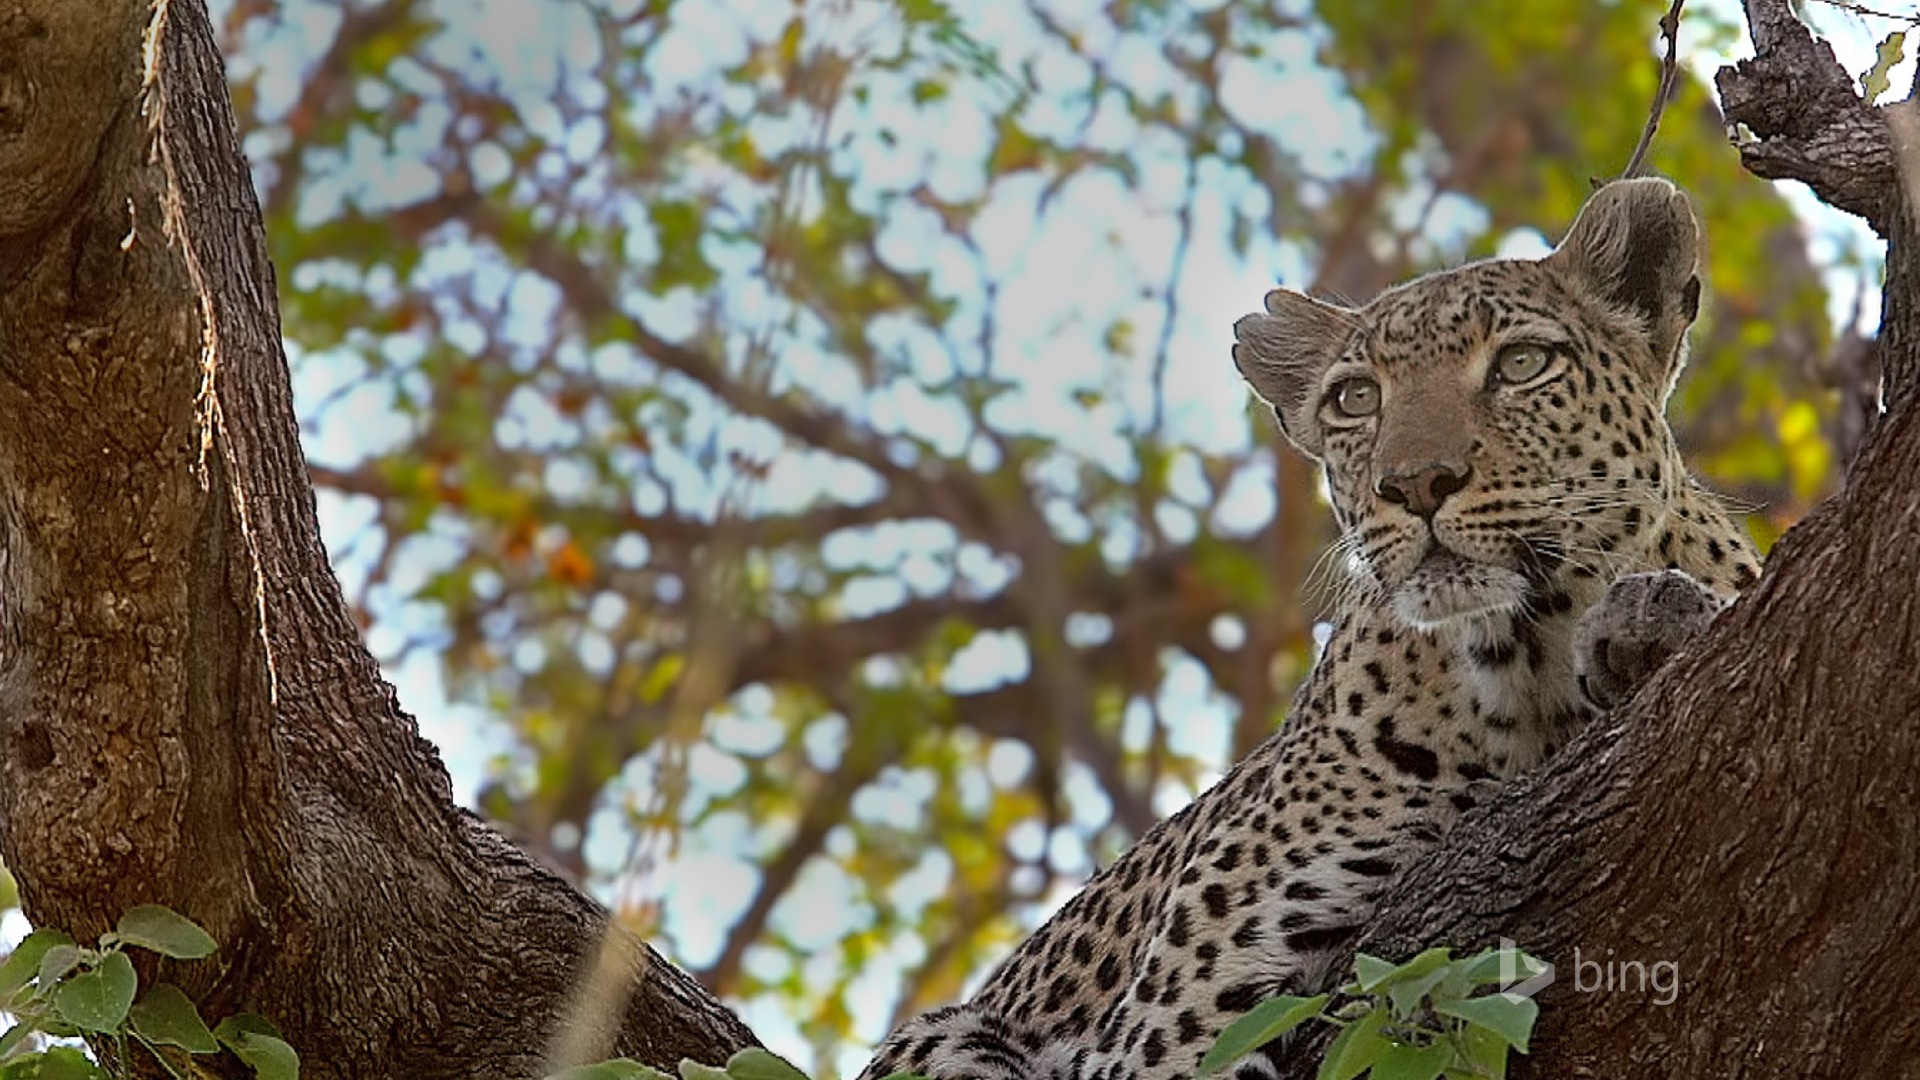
(1797, 116)
(1750, 816)
(187, 715)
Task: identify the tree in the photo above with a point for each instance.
(191, 716)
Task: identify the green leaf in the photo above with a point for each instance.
(15, 1035)
(693, 1070)
(97, 1000)
(166, 1015)
(1408, 1062)
(1505, 1015)
(754, 1063)
(1371, 969)
(1357, 1048)
(55, 963)
(23, 964)
(1335, 1051)
(616, 1069)
(245, 1024)
(1886, 56)
(679, 225)
(1375, 972)
(55, 1063)
(255, 1040)
(269, 1057)
(1456, 985)
(925, 12)
(1261, 1025)
(1405, 996)
(1484, 1051)
(1496, 965)
(165, 931)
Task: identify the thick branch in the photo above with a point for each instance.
(1807, 118)
(1808, 122)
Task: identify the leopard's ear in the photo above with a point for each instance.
(1283, 351)
(1636, 245)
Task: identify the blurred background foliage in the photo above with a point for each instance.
(800, 436)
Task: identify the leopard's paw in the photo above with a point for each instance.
(1642, 621)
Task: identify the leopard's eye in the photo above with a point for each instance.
(1355, 398)
(1521, 362)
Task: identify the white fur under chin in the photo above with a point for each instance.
(1447, 589)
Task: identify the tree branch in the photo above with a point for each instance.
(592, 300)
(677, 531)
(1807, 119)
(826, 807)
(327, 86)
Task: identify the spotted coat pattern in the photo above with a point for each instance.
(1450, 666)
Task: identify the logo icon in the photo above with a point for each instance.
(1522, 976)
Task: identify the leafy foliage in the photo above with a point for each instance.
(1877, 79)
(1420, 1020)
(55, 988)
(749, 1064)
(801, 436)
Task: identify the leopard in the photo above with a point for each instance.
(1522, 546)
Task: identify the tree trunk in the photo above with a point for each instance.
(1752, 817)
(187, 715)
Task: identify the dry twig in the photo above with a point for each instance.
(1669, 69)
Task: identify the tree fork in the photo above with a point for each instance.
(187, 713)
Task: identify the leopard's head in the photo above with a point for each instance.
(1491, 428)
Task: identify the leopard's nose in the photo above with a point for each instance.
(1422, 490)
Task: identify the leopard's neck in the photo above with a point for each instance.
(1507, 679)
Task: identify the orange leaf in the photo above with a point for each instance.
(569, 565)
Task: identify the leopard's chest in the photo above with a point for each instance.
(1490, 698)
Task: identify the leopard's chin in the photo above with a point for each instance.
(1447, 588)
